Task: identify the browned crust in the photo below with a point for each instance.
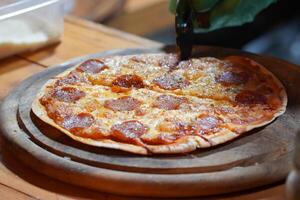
(182, 145)
(40, 111)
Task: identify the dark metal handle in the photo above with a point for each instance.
(184, 28)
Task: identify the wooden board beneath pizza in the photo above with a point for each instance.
(260, 157)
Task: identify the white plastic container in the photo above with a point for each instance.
(26, 25)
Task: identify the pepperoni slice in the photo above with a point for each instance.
(129, 81)
(171, 82)
(78, 122)
(122, 104)
(71, 79)
(249, 98)
(68, 94)
(232, 78)
(92, 66)
(206, 124)
(169, 102)
(129, 131)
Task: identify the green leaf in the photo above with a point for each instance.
(198, 5)
(203, 5)
(172, 6)
(225, 13)
(228, 13)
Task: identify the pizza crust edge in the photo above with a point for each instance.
(182, 145)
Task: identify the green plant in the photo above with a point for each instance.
(224, 13)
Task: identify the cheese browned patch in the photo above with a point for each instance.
(154, 103)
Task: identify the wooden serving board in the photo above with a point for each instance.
(259, 157)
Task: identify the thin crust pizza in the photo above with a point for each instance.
(154, 103)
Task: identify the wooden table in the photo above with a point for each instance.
(80, 37)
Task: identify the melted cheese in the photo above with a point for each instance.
(204, 94)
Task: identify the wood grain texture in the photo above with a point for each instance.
(16, 68)
(9, 193)
(260, 157)
(155, 17)
(81, 38)
(21, 179)
(12, 71)
(135, 5)
(96, 10)
(18, 177)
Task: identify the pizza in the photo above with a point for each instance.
(157, 104)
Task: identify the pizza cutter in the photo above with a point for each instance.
(184, 29)
(185, 15)
(191, 16)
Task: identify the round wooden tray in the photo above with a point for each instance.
(259, 157)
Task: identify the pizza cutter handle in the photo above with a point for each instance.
(184, 28)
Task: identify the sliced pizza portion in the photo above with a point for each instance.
(152, 103)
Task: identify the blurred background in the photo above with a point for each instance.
(275, 31)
